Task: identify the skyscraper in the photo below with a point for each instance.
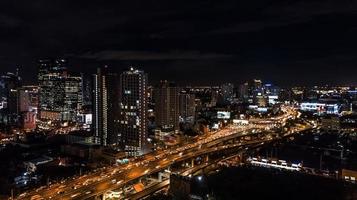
(133, 111)
(73, 99)
(60, 92)
(9, 83)
(187, 107)
(167, 106)
(105, 107)
(255, 89)
(51, 81)
(227, 91)
(27, 106)
(244, 92)
(87, 90)
(47, 66)
(272, 92)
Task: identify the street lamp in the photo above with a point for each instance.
(199, 178)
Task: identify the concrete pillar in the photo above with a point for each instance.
(206, 158)
(240, 157)
(160, 177)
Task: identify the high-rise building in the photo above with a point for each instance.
(51, 81)
(48, 66)
(254, 89)
(9, 83)
(244, 92)
(28, 98)
(256, 84)
(105, 107)
(272, 92)
(73, 99)
(167, 106)
(133, 126)
(187, 107)
(214, 98)
(227, 91)
(87, 90)
(27, 106)
(60, 93)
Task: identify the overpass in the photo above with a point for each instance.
(178, 160)
(95, 184)
(149, 168)
(226, 150)
(238, 150)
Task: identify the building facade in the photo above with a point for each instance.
(60, 93)
(105, 107)
(28, 106)
(227, 91)
(167, 106)
(73, 99)
(187, 107)
(9, 84)
(51, 81)
(133, 126)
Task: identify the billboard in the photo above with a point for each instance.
(215, 126)
(272, 99)
(88, 118)
(240, 121)
(223, 115)
(262, 109)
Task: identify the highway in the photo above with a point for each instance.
(150, 190)
(116, 176)
(161, 185)
(139, 171)
(251, 144)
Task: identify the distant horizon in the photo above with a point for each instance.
(30, 79)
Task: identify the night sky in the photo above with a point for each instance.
(191, 42)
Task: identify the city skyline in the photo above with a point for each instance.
(179, 100)
(181, 81)
(231, 41)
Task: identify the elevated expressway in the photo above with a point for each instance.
(95, 184)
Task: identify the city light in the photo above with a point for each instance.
(178, 100)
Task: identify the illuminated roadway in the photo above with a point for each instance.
(114, 177)
(137, 172)
(160, 185)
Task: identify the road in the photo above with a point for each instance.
(251, 144)
(150, 190)
(113, 177)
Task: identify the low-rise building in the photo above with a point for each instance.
(330, 122)
(83, 150)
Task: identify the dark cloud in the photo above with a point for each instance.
(312, 8)
(201, 41)
(152, 55)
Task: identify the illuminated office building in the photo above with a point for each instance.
(187, 107)
(60, 96)
(9, 84)
(51, 81)
(227, 91)
(133, 126)
(27, 106)
(105, 107)
(73, 99)
(167, 106)
(244, 92)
